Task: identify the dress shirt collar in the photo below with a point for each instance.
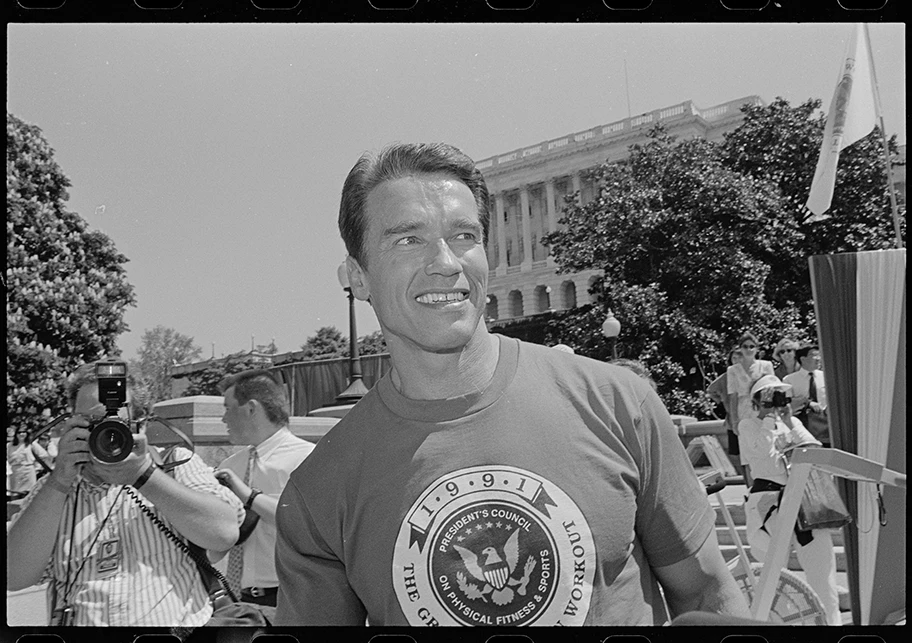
(270, 444)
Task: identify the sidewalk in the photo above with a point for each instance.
(26, 607)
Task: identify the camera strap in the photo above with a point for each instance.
(165, 461)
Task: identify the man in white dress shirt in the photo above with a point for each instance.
(809, 401)
(256, 414)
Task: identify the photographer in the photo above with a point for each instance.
(93, 538)
(765, 441)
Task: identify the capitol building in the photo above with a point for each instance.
(528, 187)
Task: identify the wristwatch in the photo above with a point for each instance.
(253, 494)
(145, 475)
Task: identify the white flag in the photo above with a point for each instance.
(852, 116)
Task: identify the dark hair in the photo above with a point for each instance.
(803, 351)
(397, 161)
(263, 387)
(746, 336)
(28, 436)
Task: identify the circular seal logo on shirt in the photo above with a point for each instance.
(494, 545)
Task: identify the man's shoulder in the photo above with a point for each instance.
(291, 444)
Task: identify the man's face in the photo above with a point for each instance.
(426, 271)
(237, 418)
(811, 361)
(90, 407)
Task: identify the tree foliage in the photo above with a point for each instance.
(327, 343)
(700, 241)
(66, 286)
(160, 350)
(207, 380)
(371, 344)
(330, 343)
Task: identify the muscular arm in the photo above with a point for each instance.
(702, 582)
(30, 541)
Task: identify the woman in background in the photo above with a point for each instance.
(22, 462)
(718, 393)
(784, 359)
(740, 378)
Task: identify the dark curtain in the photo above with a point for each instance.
(833, 286)
(312, 385)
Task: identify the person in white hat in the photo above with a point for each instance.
(764, 441)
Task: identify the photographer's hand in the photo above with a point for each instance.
(72, 453)
(233, 481)
(785, 414)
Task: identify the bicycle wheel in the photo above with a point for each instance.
(795, 603)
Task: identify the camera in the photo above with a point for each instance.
(111, 439)
(773, 399)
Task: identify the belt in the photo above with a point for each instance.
(260, 592)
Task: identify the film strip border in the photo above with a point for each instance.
(453, 10)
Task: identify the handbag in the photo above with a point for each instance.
(818, 424)
(821, 506)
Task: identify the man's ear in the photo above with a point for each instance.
(357, 279)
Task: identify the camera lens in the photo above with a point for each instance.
(111, 441)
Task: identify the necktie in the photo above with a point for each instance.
(236, 555)
(812, 388)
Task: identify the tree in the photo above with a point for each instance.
(699, 241)
(160, 350)
(372, 344)
(207, 380)
(327, 343)
(330, 343)
(66, 286)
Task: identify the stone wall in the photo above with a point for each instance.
(199, 417)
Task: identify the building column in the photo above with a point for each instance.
(501, 235)
(552, 215)
(530, 303)
(526, 227)
(578, 186)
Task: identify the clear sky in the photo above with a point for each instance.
(213, 155)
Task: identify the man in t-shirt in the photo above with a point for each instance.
(484, 480)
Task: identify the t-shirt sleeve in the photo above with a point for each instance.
(674, 516)
(313, 583)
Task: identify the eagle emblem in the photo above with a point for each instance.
(494, 571)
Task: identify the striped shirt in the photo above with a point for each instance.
(123, 569)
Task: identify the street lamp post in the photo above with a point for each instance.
(356, 389)
(611, 328)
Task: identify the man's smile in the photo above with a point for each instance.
(442, 297)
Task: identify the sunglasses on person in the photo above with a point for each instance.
(786, 350)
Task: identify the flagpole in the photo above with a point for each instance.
(883, 138)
